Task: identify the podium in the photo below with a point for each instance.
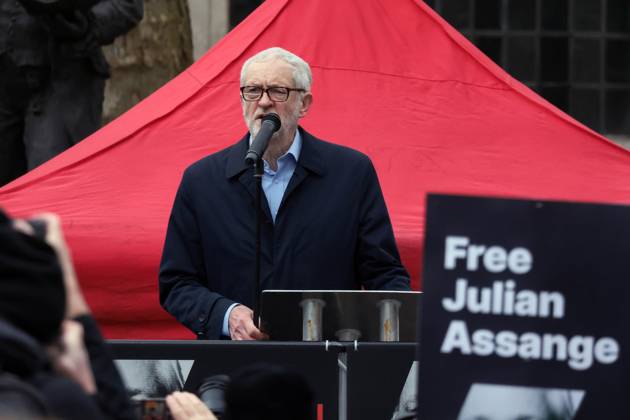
(340, 315)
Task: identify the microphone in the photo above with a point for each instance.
(269, 125)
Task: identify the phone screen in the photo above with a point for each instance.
(152, 409)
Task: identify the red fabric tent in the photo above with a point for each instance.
(391, 78)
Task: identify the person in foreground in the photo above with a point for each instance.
(254, 392)
(50, 346)
(325, 225)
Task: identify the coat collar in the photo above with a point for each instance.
(310, 157)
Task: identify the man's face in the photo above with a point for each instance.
(267, 74)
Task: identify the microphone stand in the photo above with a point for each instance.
(258, 175)
(269, 125)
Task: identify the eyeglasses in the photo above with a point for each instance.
(275, 93)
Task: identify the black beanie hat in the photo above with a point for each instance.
(32, 293)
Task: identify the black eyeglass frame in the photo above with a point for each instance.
(266, 90)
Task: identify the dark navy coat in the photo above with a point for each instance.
(332, 231)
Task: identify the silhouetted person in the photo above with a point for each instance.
(266, 392)
(52, 75)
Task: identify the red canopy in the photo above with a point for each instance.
(391, 79)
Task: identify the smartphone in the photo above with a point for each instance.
(152, 409)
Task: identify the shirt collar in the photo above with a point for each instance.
(296, 145)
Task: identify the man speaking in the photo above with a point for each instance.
(325, 224)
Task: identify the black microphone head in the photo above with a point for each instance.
(270, 124)
(274, 119)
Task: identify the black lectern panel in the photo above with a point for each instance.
(317, 366)
(376, 371)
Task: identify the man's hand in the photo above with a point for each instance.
(70, 357)
(75, 302)
(187, 406)
(241, 323)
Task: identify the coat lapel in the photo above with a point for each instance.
(310, 163)
(236, 167)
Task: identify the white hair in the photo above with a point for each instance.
(302, 76)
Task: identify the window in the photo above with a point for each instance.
(575, 53)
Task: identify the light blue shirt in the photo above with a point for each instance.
(274, 185)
